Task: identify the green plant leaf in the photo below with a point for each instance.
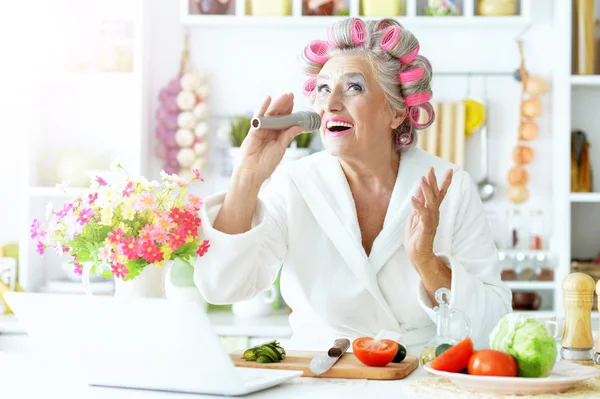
(240, 125)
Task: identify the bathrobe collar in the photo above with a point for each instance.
(326, 192)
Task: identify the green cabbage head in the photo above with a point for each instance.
(528, 341)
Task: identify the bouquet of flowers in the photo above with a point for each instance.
(122, 228)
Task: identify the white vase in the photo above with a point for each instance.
(149, 284)
(183, 294)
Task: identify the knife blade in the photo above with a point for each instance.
(324, 361)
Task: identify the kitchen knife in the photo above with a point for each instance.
(324, 361)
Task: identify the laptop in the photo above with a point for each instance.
(142, 343)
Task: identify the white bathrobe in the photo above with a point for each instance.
(306, 224)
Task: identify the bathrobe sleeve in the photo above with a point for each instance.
(238, 267)
(477, 288)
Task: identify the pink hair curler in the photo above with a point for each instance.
(309, 86)
(414, 114)
(390, 38)
(382, 25)
(411, 75)
(316, 51)
(408, 58)
(359, 32)
(404, 139)
(417, 98)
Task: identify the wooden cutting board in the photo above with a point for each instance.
(348, 366)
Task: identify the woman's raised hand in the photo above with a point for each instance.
(424, 218)
(262, 150)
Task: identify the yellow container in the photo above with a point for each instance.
(271, 8)
(382, 8)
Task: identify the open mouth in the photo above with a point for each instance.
(338, 128)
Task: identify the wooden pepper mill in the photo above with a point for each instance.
(597, 355)
(577, 344)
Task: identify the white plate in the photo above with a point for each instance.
(563, 376)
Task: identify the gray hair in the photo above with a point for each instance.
(386, 63)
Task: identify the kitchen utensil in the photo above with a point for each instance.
(597, 348)
(563, 376)
(324, 361)
(577, 341)
(347, 367)
(485, 188)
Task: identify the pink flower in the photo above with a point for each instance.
(78, 269)
(85, 215)
(37, 230)
(159, 236)
(151, 252)
(195, 202)
(145, 202)
(116, 236)
(64, 212)
(105, 253)
(119, 270)
(196, 173)
(129, 190)
(130, 248)
(40, 248)
(177, 238)
(146, 233)
(92, 198)
(164, 223)
(101, 181)
(203, 248)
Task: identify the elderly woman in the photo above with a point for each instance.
(368, 230)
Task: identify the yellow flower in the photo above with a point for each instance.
(128, 211)
(167, 251)
(106, 216)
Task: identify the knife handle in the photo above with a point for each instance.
(339, 347)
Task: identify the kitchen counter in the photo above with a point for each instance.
(19, 370)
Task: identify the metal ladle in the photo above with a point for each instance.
(485, 188)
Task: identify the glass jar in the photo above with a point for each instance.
(445, 334)
(544, 270)
(514, 229)
(524, 268)
(536, 241)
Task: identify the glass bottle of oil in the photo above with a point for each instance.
(444, 333)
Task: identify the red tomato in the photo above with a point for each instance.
(374, 353)
(490, 362)
(454, 359)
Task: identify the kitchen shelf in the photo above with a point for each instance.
(585, 197)
(531, 285)
(585, 80)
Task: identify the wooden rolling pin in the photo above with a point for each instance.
(577, 344)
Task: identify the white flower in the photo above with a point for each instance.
(63, 186)
(164, 175)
